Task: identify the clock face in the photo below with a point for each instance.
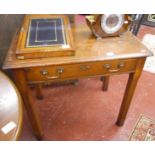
(111, 23)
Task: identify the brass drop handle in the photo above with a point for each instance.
(52, 77)
(60, 70)
(46, 73)
(107, 66)
(85, 67)
(119, 67)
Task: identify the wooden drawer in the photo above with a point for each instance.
(119, 66)
(80, 70)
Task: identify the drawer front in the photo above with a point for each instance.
(80, 70)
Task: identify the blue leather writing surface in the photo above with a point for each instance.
(46, 32)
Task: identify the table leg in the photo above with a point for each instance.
(32, 110)
(105, 84)
(39, 91)
(130, 88)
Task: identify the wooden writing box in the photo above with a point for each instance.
(45, 36)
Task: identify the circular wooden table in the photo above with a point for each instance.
(10, 109)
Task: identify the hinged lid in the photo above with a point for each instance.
(45, 36)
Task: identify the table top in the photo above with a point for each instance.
(87, 49)
(10, 109)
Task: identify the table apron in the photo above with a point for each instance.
(80, 70)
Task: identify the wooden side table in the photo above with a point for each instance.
(10, 109)
(105, 57)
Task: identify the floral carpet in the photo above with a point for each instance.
(144, 130)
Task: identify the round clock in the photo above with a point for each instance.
(108, 24)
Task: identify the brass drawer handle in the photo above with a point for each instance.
(52, 77)
(83, 68)
(119, 67)
(60, 70)
(44, 72)
(113, 70)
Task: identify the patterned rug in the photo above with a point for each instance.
(144, 130)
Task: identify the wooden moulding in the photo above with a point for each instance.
(23, 51)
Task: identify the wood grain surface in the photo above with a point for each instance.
(10, 108)
(87, 49)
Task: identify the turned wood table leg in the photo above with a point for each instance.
(32, 109)
(105, 84)
(39, 93)
(130, 88)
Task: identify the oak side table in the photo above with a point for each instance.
(103, 57)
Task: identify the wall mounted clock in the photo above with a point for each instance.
(106, 25)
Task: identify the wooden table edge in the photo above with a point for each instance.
(20, 104)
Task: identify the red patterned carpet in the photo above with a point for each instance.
(85, 112)
(144, 130)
